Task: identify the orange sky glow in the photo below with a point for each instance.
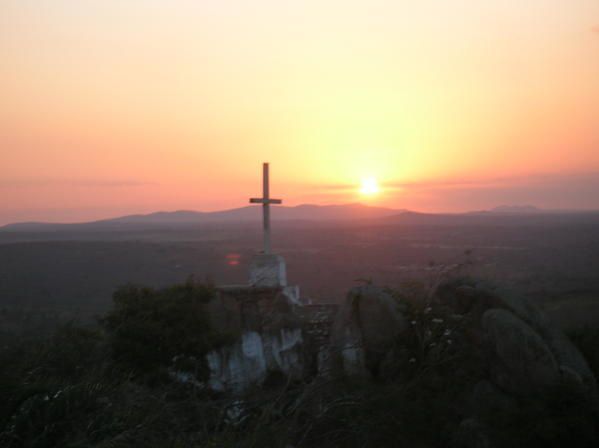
(117, 107)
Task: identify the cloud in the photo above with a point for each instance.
(557, 191)
(546, 190)
(53, 182)
(447, 184)
(419, 185)
(110, 183)
(336, 187)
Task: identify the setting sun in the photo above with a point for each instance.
(369, 186)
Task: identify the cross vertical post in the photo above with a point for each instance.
(266, 208)
(265, 200)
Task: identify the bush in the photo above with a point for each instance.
(151, 328)
(74, 387)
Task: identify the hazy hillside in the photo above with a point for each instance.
(244, 214)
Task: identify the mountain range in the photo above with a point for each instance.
(305, 212)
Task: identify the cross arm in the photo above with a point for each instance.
(265, 201)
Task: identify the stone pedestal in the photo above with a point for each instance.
(268, 270)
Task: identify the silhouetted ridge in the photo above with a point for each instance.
(308, 212)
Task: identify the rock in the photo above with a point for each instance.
(521, 362)
(571, 378)
(238, 366)
(491, 404)
(247, 362)
(285, 352)
(366, 328)
(565, 352)
(569, 357)
(467, 298)
(352, 351)
(476, 298)
(471, 434)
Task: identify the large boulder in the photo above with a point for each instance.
(475, 299)
(248, 361)
(521, 362)
(269, 339)
(366, 328)
(567, 355)
(471, 434)
(490, 403)
(535, 384)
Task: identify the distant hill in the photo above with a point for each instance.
(348, 213)
(529, 210)
(305, 212)
(520, 209)
(511, 210)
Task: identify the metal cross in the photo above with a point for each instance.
(265, 200)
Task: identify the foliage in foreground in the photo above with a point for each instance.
(108, 386)
(147, 328)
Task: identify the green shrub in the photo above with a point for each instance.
(151, 328)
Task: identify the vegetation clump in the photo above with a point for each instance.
(150, 329)
(111, 385)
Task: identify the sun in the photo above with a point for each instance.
(369, 186)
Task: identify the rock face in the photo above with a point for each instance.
(493, 364)
(472, 434)
(367, 325)
(502, 315)
(521, 361)
(532, 374)
(248, 362)
(566, 354)
(273, 334)
(569, 358)
(521, 354)
(488, 401)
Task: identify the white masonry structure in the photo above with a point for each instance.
(268, 269)
(275, 327)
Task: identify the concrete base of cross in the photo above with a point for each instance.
(268, 270)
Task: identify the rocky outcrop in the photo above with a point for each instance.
(565, 352)
(533, 378)
(520, 334)
(471, 433)
(519, 352)
(267, 335)
(520, 361)
(247, 363)
(488, 401)
(365, 330)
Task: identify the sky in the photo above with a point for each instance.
(132, 106)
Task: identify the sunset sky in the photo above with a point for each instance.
(115, 107)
